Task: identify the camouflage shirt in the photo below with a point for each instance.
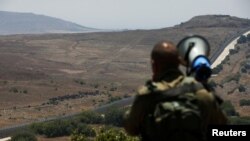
(134, 118)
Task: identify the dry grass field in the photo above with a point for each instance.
(232, 77)
(57, 74)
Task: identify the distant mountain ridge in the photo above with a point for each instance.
(207, 21)
(29, 23)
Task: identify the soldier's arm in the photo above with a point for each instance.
(218, 116)
(134, 117)
(213, 114)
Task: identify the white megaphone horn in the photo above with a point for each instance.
(194, 50)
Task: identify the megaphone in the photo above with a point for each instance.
(194, 50)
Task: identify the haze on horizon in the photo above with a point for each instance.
(128, 14)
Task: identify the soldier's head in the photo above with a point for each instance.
(164, 56)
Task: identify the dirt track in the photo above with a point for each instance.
(226, 51)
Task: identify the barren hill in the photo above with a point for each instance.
(207, 21)
(57, 74)
(28, 23)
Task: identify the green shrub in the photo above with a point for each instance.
(247, 66)
(248, 37)
(25, 136)
(212, 83)
(227, 58)
(228, 107)
(85, 130)
(114, 135)
(242, 88)
(53, 128)
(217, 69)
(82, 132)
(244, 102)
(232, 51)
(242, 39)
(112, 99)
(232, 77)
(243, 70)
(114, 116)
(239, 120)
(90, 117)
(78, 137)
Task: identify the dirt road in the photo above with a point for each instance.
(225, 52)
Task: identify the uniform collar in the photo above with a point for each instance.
(170, 75)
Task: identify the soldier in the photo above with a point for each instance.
(157, 114)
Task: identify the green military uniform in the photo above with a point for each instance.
(143, 105)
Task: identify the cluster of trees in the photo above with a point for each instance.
(114, 134)
(15, 90)
(54, 128)
(229, 109)
(24, 136)
(233, 116)
(244, 102)
(78, 127)
(241, 88)
(239, 120)
(245, 67)
(56, 100)
(243, 39)
(79, 81)
(105, 134)
(232, 77)
(217, 69)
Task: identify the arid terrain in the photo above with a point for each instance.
(233, 81)
(57, 74)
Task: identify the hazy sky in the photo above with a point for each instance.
(128, 14)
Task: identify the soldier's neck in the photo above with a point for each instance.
(167, 75)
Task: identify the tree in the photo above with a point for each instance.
(244, 102)
(242, 88)
(239, 120)
(78, 137)
(243, 70)
(85, 130)
(90, 117)
(233, 51)
(217, 69)
(248, 37)
(114, 135)
(212, 83)
(228, 107)
(53, 128)
(25, 136)
(114, 117)
(242, 39)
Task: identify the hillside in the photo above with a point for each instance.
(212, 21)
(29, 23)
(57, 74)
(233, 81)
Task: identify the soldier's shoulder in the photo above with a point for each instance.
(203, 93)
(188, 80)
(205, 96)
(151, 87)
